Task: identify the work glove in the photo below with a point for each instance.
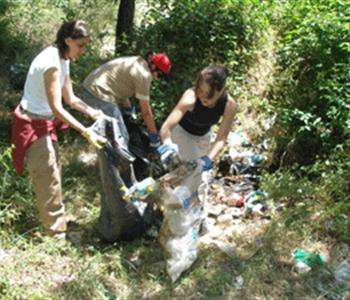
(205, 162)
(129, 111)
(94, 139)
(154, 139)
(168, 152)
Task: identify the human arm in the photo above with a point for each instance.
(54, 96)
(147, 116)
(186, 103)
(224, 129)
(77, 104)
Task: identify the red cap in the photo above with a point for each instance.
(162, 62)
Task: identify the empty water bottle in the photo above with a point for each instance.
(141, 190)
(184, 195)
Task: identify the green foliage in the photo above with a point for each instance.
(23, 41)
(197, 33)
(333, 187)
(312, 94)
(17, 199)
(322, 188)
(10, 45)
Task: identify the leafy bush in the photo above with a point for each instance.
(10, 44)
(333, 186)
(312, 94)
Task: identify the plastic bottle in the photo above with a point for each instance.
(184, 195)
(140, 190)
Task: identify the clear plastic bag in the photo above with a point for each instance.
(182, 216)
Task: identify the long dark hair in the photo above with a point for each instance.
(71, 29)
(215, 76)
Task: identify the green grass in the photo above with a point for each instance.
(41, 267)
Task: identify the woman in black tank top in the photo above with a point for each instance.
(199, 108)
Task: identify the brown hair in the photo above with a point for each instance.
(70, 29)
(215, 76)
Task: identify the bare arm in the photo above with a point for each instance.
(54, 96)
(147, 116)
(185, 104)
(224, 129)
(74, 102)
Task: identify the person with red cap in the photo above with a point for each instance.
(122, 78)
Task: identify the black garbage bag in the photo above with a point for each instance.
(119, 219)
(147, 162)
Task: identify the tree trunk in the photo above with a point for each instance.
(124, 30)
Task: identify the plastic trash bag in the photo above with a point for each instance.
(119, 219)
(147, 162)
(182, 210)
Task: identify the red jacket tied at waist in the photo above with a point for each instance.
(25, 131)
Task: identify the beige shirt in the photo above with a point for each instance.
(119, 79)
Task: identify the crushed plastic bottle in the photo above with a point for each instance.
(140, 190)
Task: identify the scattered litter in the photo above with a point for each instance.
(304, 260)
(238, 138)
(238, 282)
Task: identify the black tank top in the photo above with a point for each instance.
(199, 121)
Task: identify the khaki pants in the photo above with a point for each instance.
(42, 163)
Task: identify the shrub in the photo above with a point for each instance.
(312, 94)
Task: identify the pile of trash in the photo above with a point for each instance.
(235, 193)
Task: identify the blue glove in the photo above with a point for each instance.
(167, 152)
(205, 162)
(154, 139)
(128, 110)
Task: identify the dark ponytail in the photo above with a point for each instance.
(71, 29)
